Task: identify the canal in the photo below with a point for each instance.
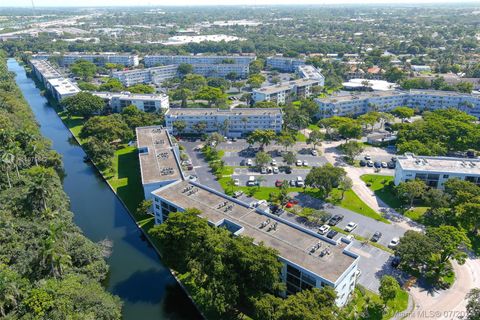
(137, 275)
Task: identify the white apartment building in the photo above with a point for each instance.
(353, 104)
(145, 102)
(100, 59)
(284, 64)
(61, 88)
(155, 60)
(435, 171)
(309, 259)
(235, 122)
(155, 75)
(310, 72)
(43, 70)
(222, 70)
(420, 68)
(285, 91)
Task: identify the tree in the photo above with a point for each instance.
(315, 138)
(101, 152)
(83, 104)
(285, 139)
(369, 119)
(41, 189)
(295, 119)
(325, 178)
(184, 69)
(135, 117)
(194, 82)
(106, 128)
(262, 159)
(415, 250)
(345, 184)
(182, 94)
(403, 112)
(144, 208)
(141, 88)
(256, 80)
(239, 85)
(451, 244)
(112, 85)
(473, 304)
(84, 69)
(219, 83)
(351, 149)
(263, 137)
(212, 95)
(469, 214)
(388, 289)
(256, 66)
(436, 198)
(289, 157)
(179, 126)
(350, 130)
(411, 190)
(200, 126)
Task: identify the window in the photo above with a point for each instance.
(445, 176)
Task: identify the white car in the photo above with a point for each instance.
(274, 162)
(384, 164)
(236, 182)
(305, 163)
(275, 170)
(367, 157)
(251, 181)
(299, 162)
(300, 182)
(324, 229)
(394, 242)
(350, 226)
(263, 170)
(249, 162)
(314, 152)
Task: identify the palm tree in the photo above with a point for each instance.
(7, 161)
(40, 190)
(54, 255)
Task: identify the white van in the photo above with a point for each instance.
(300, 182)
(251, 181)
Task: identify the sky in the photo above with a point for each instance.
(71, 3)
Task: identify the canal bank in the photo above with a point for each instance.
(146, 287)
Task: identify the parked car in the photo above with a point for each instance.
(251, 181)
(278, 183)
(243, 162)
(350, 226)
(236, 182)
(314, 152)
(367, 157)
(299, 162)
(305, 163)
(324, 229)
(335, 219)
(395, 262)
(369, 163)
(288, 170)
(393, 243)
(275, 170)
(269, 169)
(300, 182)
(394, 159)
(377, 164)
(332, 233)
(363, 163)
(237, 194)
(249, 162)
(263, 170)
(376, 236)
(391, 165)
(293, 183)
(384, 164)
(274, 162)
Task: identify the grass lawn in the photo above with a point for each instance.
(352, 202)
(360, 301)
(383, 186)
(416, 213)
(313, 127)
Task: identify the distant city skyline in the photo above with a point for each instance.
(97, 3)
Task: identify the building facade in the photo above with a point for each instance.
(116, 101)
(235, 122)
(155, 75)
(312, 73)
(285, 91)
(100, 59)
(435, 171)
(155, 60)
(284, 64)
(354, 104)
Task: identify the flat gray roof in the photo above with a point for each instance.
(286, 86)
(411, 162)
(128, 96)
(45, 68)
(159, 163)
(293, 244)
(234, 111)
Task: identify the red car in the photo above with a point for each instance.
(289, 205)
(278, 183)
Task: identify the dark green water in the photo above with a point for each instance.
(137, 275)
